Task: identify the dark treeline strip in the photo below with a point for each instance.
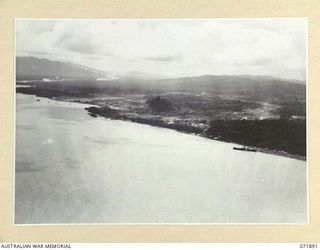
(278, 134)
(113, 114)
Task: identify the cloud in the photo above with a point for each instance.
(275, 47)
(79, 47)
(71, 41)
(168, 58)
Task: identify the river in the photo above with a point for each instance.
(74, 168)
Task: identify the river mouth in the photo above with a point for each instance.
(72, 168)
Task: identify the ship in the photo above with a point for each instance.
(245, 148)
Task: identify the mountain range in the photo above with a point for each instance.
(33, 68)
(88, 79)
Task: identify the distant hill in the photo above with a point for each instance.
(137, 75)
(32, 68)
(258, 88)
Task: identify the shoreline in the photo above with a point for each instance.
(260, 150)
(160, 124)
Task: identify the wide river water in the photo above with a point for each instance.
(74, 168)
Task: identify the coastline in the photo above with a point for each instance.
(93, 110)
(178, 129)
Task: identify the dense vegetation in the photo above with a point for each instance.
(293, 108)
(158, 104)
(281, 134)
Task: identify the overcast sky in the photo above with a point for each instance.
(274, 47)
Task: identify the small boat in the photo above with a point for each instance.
(244, 148)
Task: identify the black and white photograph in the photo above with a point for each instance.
(161, 121)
